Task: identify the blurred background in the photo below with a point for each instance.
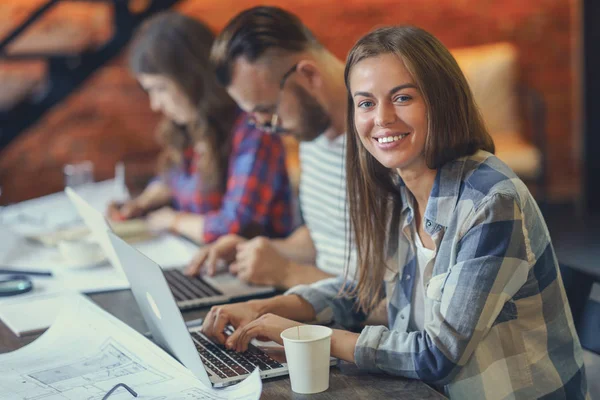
(63, 101)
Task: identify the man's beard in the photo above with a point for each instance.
(313, 118)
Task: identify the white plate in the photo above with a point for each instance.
(63, 262)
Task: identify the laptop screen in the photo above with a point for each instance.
(98, 226)
(158, 306)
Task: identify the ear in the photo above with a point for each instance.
(310, 73)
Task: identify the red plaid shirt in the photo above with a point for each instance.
(257, 192)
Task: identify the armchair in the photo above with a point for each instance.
(492, 73)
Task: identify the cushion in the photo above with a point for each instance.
(491, 71)
(521, 156)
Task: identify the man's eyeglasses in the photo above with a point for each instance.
(274, 128)
(118, 385)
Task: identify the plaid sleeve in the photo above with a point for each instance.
(324, 294)
(170, 179)
(257, 174)
(491, 265)
(167, 180)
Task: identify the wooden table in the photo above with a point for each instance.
(346, 381)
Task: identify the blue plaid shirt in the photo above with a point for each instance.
(500, 325)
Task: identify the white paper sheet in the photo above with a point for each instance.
(168, 251)
(48, 213)
(9, 243)
(87, 351)
(34, 257)
(101, 278)
(42, 287)
(27, 317)
(36, 310)
(96, 278)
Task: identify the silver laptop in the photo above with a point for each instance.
(208, 361)
(189, 292)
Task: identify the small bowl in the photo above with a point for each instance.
(80, 253)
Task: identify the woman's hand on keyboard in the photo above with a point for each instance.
(238, 315)
(266, 327)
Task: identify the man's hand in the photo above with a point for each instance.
(238, 315)
(208, 256)
(266, 327)
(258, 262)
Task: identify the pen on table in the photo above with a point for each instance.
(25, 272)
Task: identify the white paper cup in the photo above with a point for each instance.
(307, 350)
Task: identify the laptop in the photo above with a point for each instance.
(208, 361)
(189, 292)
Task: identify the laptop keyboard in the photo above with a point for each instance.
(229, 363)
(188, 287)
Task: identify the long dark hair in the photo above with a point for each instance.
(455, 129)
(178, 47)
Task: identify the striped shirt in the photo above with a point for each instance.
(500, 325)
(323, 199)
(257, 190)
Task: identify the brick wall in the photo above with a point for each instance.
(108, 119)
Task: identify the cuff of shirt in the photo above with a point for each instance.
(314, 297)
(213, 227)
(365, 352)
(209, 237)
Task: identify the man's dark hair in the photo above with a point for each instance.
(254, 31)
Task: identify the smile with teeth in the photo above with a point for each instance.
(389, 139)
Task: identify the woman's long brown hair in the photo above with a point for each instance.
(178, 47)
(455, 129)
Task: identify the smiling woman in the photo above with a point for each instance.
(453, 241)
(448, 239)
(392, 123)
(411, 89)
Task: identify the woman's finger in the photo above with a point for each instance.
(207, 324)
(221, 320)
(244, 335)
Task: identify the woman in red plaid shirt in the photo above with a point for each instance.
(218, 173)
